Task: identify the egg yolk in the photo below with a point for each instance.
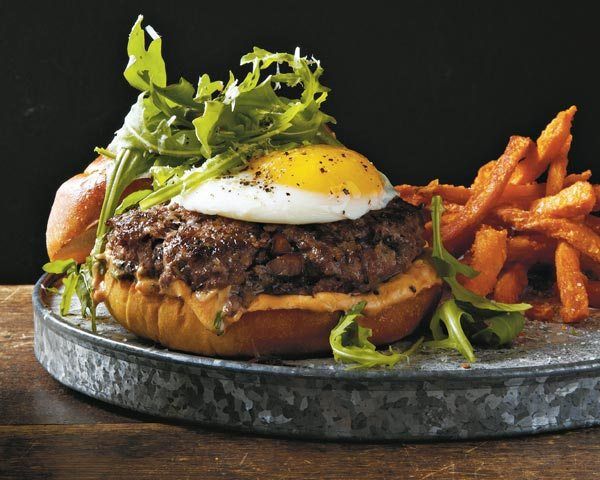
(322, 169)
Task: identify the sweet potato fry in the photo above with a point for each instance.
(530, 249)
(419, 195)
(571, 284)
(580, 236)
(522, 195)
(511, 283)
(577, 177)
(578, 199)
(488, 257)
(545, 311)
(484, 174)
(548, 147)
(558, 169)
(597, 193)
(593, 222)
(593, 290)
(457, 233)
(590, 267)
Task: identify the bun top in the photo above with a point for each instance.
(71, 228)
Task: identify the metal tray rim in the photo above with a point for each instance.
(241, 366)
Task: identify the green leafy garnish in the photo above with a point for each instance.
(77, 280)
(132, 200)
(451, 316)
(218, 323)
(182, 135)
(350, 343)
(500, 330)
(468, 316)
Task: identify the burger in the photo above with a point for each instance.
(230, 221)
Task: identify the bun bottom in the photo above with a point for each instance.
(171, 322)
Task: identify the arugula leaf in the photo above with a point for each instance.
(129, 165)
(500, 330)
(485, 321)
(77, 281)
(206, 88)
(59, 266)
(465, 295)
(451, 316)
(350, 343)
(84, 292)
(70, 284)
(132, 200)
(145, 67)
(218, 323)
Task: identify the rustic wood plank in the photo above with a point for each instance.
(168, 451)
(28, 395)
(48, 431)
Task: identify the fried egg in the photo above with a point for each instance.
(311, 184)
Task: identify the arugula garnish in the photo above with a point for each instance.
(467, 316)
(350, 343)
(182, 135)
(77, 281)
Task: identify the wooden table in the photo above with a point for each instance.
(49, 431)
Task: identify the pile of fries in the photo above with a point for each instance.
(507, 221)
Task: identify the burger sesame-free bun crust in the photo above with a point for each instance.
(291, 332)
(71, 229)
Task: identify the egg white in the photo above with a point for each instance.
(241, 197)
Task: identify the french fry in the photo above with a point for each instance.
(593, 290)
(571, 284)
(419, 195)
(557, 171)
(530, 249)
(593, 222)
(580, 236)
(452, 208)
(457, 233)
(488, 257)
(597, 204)
(549, 222)
(521, 195)
(578, 177)
(578, 199)
(511, 283)
(484, 174)
(548, 147)
(590, 267)
(542, 310)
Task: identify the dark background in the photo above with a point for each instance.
(424, 89)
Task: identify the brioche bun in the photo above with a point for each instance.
(171, 322)
(73, 219)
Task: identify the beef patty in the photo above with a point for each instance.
(208, 252)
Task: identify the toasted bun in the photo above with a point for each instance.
(71, 229)
(290, 332)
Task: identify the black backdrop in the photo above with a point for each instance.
(424, 89)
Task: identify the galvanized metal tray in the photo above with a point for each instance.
(549, 380)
